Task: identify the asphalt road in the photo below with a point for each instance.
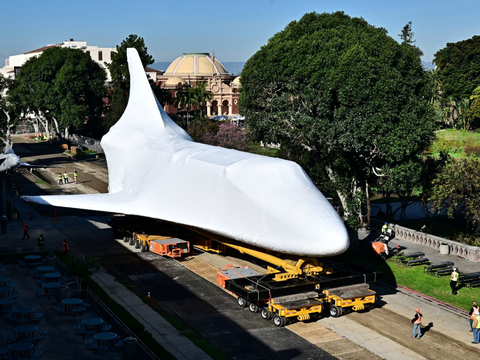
(237, 332)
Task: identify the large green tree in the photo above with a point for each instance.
(7, 110)
(118, 92)
(459, 67)
(346, 92)
(62, 85)
(456, 189)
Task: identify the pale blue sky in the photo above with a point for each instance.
(234, 29)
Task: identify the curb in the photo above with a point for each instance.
(448, 307)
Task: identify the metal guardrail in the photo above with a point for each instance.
(143, 352)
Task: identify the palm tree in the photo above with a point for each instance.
(201, 95)
(184, 98)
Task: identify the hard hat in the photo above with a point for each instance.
(454, 269)
(417, 310)
(386, 223)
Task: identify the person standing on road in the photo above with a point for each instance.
(417, 323)
(75, 176)
(474, 312)
(65, 247)
(25, 230)
(476, 330)
(453, 281)
(384, 228)
(60, 179)
(65, 178)
(41, 242)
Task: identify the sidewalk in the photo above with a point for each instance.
(75, 229)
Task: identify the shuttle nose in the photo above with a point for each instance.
(322, 232)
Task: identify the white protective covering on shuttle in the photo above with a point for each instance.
(157, 171)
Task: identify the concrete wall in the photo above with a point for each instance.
(466, 251)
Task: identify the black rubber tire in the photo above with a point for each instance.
(146, 249)
(253, 308)
(242, 302)
(336, 311)
(125, 239)
(131, 241)
(137, 244)
(278, 320)
(266, 314)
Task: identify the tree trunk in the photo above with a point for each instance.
(369, 209)
(55, 122)
(341, 196)
(8, 140)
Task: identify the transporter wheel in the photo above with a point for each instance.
(266, 314)
(142, 248)
(253, 308)
(278, 320)
(147, 248)
(131, 241)
(242, 302)
(137, 244)
(336, 311)
(125, 239)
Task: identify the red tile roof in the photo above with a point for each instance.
(41, 49)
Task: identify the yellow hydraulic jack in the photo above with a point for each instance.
(292, 268)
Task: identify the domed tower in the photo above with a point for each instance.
(194, 68)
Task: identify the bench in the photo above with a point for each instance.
(42, 333)
(409, 256)
(36, 339)
(11, 338)
(106, 328)
(39, 293)
(78, 311)
(85, 333)
(95, 348)
(35, 264)
(416, 262)
(444, 272)
(8, 317)
(89, 343)
(475, 283)
(60, 310)
(36, 318)
(118, 346)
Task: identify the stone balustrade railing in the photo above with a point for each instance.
(465, 251)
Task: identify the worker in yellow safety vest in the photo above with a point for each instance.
(453, 281)
(384, 228)
(476, 330)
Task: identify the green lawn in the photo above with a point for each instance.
(439, 288)
(457, 143)
(413, 278)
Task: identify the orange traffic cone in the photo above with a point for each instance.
(55, 216)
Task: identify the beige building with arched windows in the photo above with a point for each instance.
(192, 68)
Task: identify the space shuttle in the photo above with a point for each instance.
(156, 170)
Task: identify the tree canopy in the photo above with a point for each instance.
(118, 93)
(457, 188)
(119, 65)
(459, 68)
(344, 91)
(63, 84)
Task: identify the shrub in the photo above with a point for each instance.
(472, 150)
